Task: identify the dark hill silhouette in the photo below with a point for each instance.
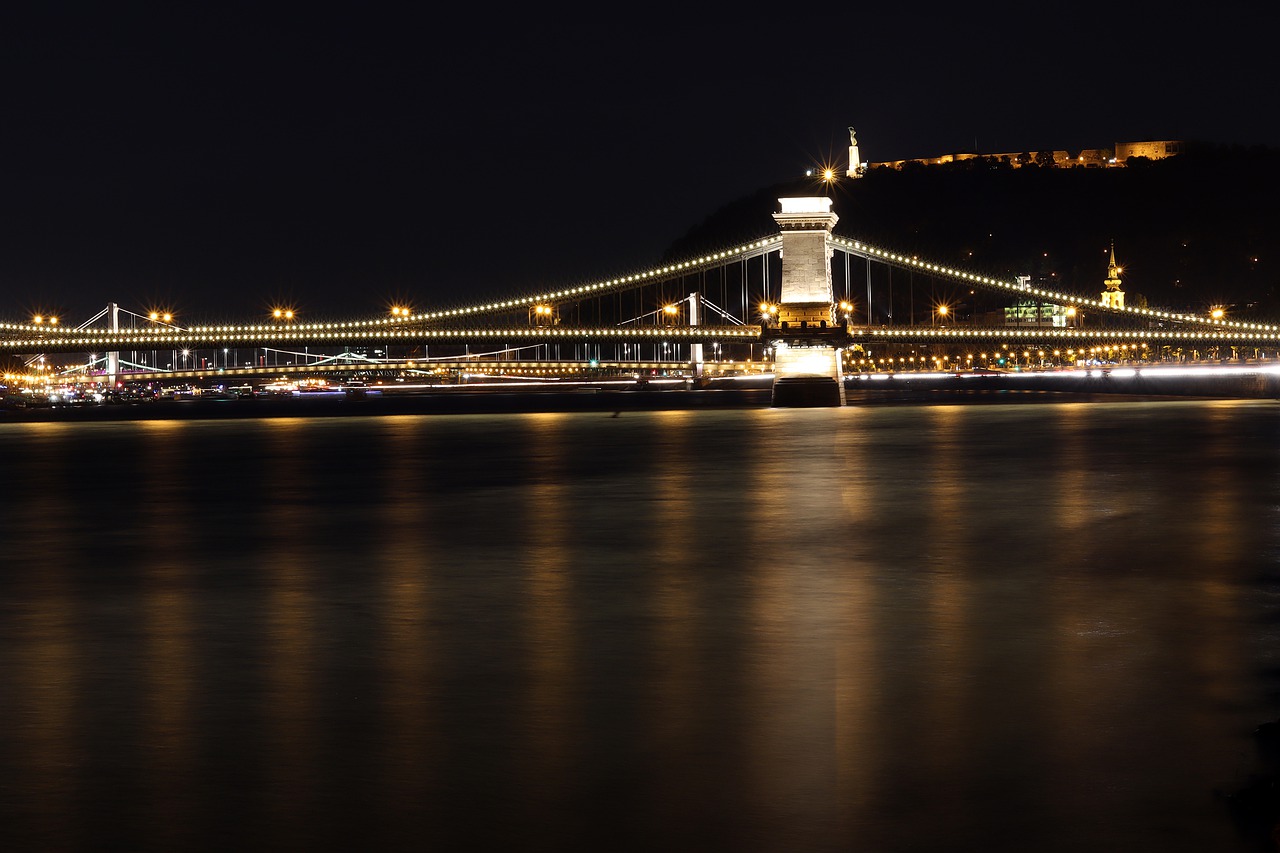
(1191, 231)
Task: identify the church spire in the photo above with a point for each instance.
(1113, 295)
(1113, 270)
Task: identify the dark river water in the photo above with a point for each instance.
(1036, 627)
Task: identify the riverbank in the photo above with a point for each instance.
(884, 389)
(376, 402)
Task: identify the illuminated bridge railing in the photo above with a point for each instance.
(90, 340)
(94, 340)
(532, 368)
(917, 335)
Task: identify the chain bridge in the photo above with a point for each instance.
(803, 304)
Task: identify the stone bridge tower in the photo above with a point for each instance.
(805, 335)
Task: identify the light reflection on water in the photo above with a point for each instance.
(981, 627)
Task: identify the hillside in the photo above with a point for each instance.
(1193, 231)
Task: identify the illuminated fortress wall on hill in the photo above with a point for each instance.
(1087, 158)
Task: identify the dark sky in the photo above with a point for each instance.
(220, 161)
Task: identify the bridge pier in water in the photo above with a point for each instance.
(805, 336)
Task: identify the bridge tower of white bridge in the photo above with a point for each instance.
(695, 319)
(807, 337)
(113, 358)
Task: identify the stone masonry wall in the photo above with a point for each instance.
(806, 267)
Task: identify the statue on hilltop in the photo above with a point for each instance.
(855, 160)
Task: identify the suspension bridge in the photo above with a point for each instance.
(804, 304)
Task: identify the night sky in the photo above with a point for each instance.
(218, 162)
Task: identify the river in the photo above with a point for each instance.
(1051, 626)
